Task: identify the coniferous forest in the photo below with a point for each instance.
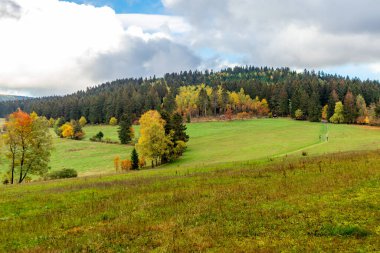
(285, 92)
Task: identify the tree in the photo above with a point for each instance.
(67, 131)
(325, 112)
(57, 126)
(82, 121)
(338, 116)
(126, 165)
(298, 114)
(333, 99)
(362, 111)
(78, 131)
(99, 136)
(125, 129)
(29, 145)
(314, 108)
(113, 121)
(116, 162)
(377, 110)
(135, 160)
(204, 101)
(153, 142)
(178, 128)
(51, 122)
(228, 113)
(350, 112)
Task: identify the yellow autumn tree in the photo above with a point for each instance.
(325, 112)
(153, 142)
(67, 130)
(113, 121)
(82, 121)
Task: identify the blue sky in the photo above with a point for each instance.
(127, 6)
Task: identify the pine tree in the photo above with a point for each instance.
(125, 129)
(135, 160)
(333, 99)
(179, 128)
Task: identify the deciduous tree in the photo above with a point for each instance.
(338, 116)
(29, 145)
(153, 142)
(82, 121)
(113, 121)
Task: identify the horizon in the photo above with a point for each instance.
(56, 47)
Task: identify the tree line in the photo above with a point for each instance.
(197, 94)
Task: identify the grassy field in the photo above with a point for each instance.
(315, 204)
(220, 143)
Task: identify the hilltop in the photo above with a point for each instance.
(5, 98)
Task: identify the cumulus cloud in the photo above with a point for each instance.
(52, 46)
(296, 33)
(60, 47)
(9, 9)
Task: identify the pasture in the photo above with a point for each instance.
(314, 204)
(214, 143)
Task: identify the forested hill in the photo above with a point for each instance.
(4, 98)
(286, 91)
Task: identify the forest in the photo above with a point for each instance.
(282, 92)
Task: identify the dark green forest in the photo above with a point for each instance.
(285, 90)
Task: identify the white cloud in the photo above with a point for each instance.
(57, 47)
(295, 33)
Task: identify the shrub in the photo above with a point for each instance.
(304, 153)
(142, 162)
(113, 121)
(65, 173)
(299, 114)
(82, 121)
(126, 165)
(243, 115)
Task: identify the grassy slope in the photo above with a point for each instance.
(218, 143)
(322, 204)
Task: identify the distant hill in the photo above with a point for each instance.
(4, 98)
(286, 92)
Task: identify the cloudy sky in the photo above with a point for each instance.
(56, 47)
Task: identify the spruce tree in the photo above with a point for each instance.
(124, 131)
(179, 128)
(135, 160)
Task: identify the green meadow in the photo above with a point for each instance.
(324, 203)
(264, 185)
(215, 143)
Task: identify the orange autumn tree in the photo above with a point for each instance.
(28, 143)
(116, 162)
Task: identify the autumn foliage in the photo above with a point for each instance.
(28, 143)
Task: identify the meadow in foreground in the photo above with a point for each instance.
(328, 203)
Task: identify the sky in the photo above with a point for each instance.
(54, 47)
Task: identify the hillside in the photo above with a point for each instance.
(285, 91)
(324, 204)
(218, 143)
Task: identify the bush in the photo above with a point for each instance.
(65, 173)
(113, 121)
(299, 114)
(243, 115)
